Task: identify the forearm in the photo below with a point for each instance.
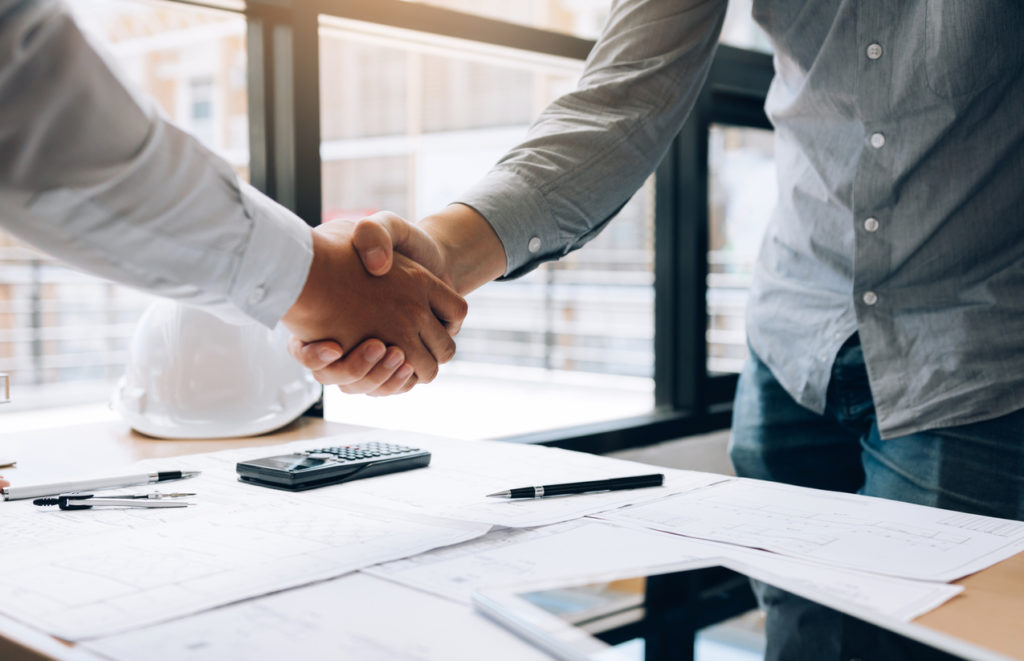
(592, 148)
(472, 251)
(95, 176)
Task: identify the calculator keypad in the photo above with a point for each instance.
(346, 453)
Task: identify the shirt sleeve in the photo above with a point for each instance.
(93, 174)
(592, 148)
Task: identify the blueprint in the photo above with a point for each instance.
(510, 557)
(83, 574)
(858, 532)
(353, 617)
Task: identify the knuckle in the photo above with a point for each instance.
(339, 375)
(353, 388)
(447, 352)
(428, 375)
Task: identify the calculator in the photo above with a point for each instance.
(330, 465)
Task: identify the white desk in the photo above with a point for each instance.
(986, 614)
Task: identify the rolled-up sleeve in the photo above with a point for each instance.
(93, 174)
(592, 148)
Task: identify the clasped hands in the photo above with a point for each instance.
(370, 319)
(382, 301)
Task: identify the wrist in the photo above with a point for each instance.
(471, 251)
(304, 311)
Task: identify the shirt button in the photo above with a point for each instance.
(870, 298)
(874, 51)
(534, 245)
(871, 224)
(877, 140)
(257, 294)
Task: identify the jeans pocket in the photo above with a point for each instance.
(970, 43)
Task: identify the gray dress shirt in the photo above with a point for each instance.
(94, 174)
(900, 151)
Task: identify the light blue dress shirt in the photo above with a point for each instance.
(900, 151)
(94, 174)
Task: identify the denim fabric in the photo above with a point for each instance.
(977, 468)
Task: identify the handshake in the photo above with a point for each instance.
(383, 298)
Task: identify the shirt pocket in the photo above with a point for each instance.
(970, 43)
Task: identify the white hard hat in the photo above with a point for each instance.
(192, 375)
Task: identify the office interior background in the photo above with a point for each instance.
(339, 108)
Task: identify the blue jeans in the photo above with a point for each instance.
(977, 468)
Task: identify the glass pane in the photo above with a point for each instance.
(581, 18)
(63, 334)
(190, 59)
(408, 124)
(586, 18)
(741, 196)
(741, 31)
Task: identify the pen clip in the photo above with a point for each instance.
(64, 501)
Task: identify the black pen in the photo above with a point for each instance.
(614, 484)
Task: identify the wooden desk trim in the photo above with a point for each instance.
(989, 610)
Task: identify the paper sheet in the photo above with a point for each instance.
(462, 473)
(453, 486)
(510, 557)
(353, 617)
(80, 574)
(869, 534)
(107, 583)
(85, 574)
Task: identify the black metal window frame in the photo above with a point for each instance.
(284, 137)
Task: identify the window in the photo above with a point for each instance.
(64, 334)
(338, 109)
(741, 31)
(408, 122)
(200, 119)
(581, 18)
(741, 196)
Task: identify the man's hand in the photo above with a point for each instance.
(379, 236)
(408, 308)
(456, 244)
(372, 368)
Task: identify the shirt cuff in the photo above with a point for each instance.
(276, 261)
(520, 216)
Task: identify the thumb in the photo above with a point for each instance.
(385, 233)
(373, 242)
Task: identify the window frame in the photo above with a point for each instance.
(284, 136)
